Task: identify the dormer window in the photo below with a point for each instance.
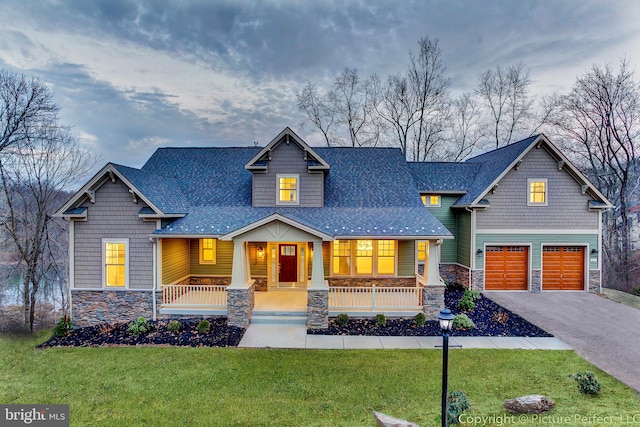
(431, 200)
(288, 189)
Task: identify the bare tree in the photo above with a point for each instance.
(505, 92)
(465, 126)
(394, 103)
(600, 120)
(318, 111)
(33, 169)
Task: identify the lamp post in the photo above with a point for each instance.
(446, 321)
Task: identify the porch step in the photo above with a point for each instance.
(279, 317)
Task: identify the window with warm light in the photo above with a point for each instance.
(115, 263)
(207, 251)
(537, 192)
(287, 189)
(422, 250)
(364, 257)
(341, 257)
(386, 256)
(430, 199)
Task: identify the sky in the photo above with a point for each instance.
(132, 76)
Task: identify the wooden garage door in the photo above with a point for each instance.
(563, 268)
(506, 268)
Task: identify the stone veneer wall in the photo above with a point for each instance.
(366, 282)
(261, 284)
(477, 280)
(455, 273)
(594, 281)
(92, 307)
(433, 299)
(240, 303)
(536, 281)
(318, 308)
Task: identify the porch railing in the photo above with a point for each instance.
(185, 295)
(375, 298)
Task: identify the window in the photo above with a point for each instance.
(116, 257)
(430, 199)
(422, 251)
(207, 251)
(364, 257)
(537, 192)
(287, 189)
(386, 256)
(341, 257)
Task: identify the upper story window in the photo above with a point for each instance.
(430, 199)
(538, 190)
(288, 190)
(207, 251)
(115, 262)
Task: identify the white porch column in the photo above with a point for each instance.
(317, 269)
(239, 270)
(433, 265)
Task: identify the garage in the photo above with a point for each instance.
(506, 268)
(563, 268)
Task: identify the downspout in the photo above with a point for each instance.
(71, 266)
(155, 277)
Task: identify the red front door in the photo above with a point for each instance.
(288, 263)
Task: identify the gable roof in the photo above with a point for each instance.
(478, 175)
(260, 160)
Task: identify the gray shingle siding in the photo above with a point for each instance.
(113, 216)
(567, 207)
(288, 159)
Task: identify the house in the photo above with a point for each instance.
(201, 231)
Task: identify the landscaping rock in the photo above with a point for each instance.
(384, 420)
(532, 404)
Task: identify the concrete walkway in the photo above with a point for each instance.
(602, 331)
(295, 336)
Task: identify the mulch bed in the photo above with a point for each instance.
(115, 334)
(223, 335)
(482, 316)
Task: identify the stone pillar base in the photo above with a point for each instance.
(318, 308)
(240, 303)
(433, 297)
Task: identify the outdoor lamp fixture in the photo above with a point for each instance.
(445, 317)
(260, 251)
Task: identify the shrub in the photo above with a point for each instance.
(457, 404)
(420, 319)
(204, 326)
(462, 321)
(587, 382)
(454, 286)
(139, 326)
(342, 319)
(467, 302)
(381, 319)
(637, 290)
(64, 327)
(174, 326)
(500, 317)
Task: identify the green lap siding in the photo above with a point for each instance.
(537, 241)
(463, 239)
(224, 259)
(444, 214)
(406, 257)
(175, 260)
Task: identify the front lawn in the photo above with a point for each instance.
(252, 387)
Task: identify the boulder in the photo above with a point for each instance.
(532, 404)
(384, 420)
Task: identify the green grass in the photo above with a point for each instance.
(622, 297)
(252, 387)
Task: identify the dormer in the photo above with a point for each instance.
(287, 172)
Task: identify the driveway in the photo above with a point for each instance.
(602, 331)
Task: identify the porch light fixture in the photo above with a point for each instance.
(479, 251)
(445, 317)
(594, 251)
(260, 251)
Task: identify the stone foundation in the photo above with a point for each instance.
(240, 303)
(536, 281)
(206, 280)
(594, 282)
(367, 282)
(433, 297)
(318, 308)
(261, 284)
(455, 273)
(92, 307)
(477, 280)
